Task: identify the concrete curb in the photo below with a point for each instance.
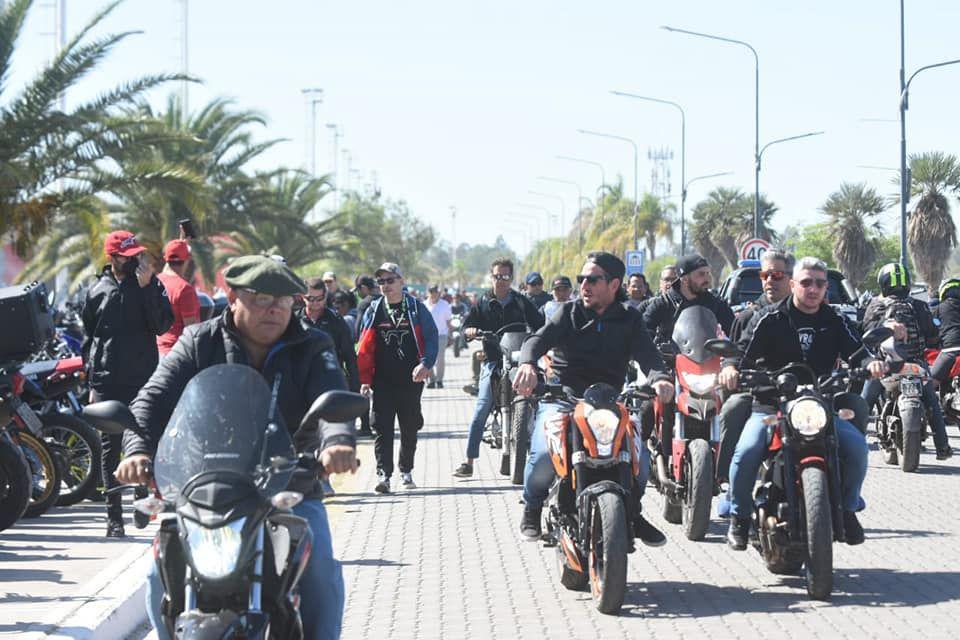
(115, 607)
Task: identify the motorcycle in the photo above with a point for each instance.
(507, 340)
(231, 558)
(595, 446)
(15, 481)
(949, 394)
(902, 423)
(686, 466)
(457, 338)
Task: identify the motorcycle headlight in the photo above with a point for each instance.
(214, 551)
(603, 423)
(700, 383)
(808, 417)
(455, 323)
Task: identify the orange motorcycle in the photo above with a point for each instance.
(595, 444)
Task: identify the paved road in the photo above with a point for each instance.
(444, 560)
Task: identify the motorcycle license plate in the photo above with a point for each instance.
(29, 417)
(911, 388)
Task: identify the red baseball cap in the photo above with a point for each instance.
(122, 243)
(176, 251)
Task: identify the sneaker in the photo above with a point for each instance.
(945, 453)
(852, 529)
(737, 533)
(115, 529)
(327, 488)
(439, 384)
(406, 479)
(471, 389)
(464, 470)
(383, 484)
(431, 385)
(530, 524)
(647, 533)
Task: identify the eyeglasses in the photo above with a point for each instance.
(265, 300)
(668, 280)
(314, 298)
(503, 277)
(772, 274)
(591, 279)
(806, 283)
(387, 281)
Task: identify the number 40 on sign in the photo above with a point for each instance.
(753, 249)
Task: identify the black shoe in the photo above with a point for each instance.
(471, 389)
(464, 471)
(943, 454)
(431, 385)
(647, 533)
(439, 384)
(737, 533)
(852, 529)
(115, 529)
(530, 524)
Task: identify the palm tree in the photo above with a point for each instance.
(719, 224)
(853, 213)
(51, 161)
(931, 232)
(654, 221)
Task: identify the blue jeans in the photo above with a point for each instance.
(539, 474)
(321, 586)
(873, 388)
(752, 447)
(482, 412)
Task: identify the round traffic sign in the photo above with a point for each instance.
(753, 249)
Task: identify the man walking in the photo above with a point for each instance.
(440, 310)
(181, 294)
(124, 312)
(317, 315)
(398, 347)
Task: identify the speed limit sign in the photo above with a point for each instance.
(753, 249)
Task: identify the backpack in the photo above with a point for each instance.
(903, 311)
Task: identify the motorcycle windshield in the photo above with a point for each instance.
(693, 328)
(220, 424)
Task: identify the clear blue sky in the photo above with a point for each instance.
(465, 103)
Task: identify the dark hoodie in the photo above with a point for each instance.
(661, 314)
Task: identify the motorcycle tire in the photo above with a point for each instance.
(456, 348)
(15, 483)
(607, 558)
(520, 438)
(910, 453)
(699, 496)
(890, 456)
(45, 472)
(819, 527)
(81, 447)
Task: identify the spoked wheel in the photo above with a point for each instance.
(819, 524)
(699, 494)
(44, 474)
(80, 446)
(608, 553)
(15, 483)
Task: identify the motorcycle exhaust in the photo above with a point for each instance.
(665, 481)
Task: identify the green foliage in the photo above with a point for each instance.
(853, 212)
(724, 221)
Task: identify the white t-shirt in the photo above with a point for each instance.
(441, 314)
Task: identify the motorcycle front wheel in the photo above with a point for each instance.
(608, 553)
(819, 525)
(45, 475)
(699, 494)
(81, 447)
(911, 421)
(14, 484)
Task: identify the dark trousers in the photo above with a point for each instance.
(734, 414)
(112, 447)
(400, 403)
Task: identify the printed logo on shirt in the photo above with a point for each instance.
(806, 335)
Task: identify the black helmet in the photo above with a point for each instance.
(894, 279)
(949, 288)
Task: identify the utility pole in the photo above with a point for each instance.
(60, 30)
(184, 59)
(313, 97)
(453, 242)
(337, 134)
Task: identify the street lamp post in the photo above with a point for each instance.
(683, 156)
(756, 220)
(528, 216)
(563, 210)
(756, 115)
(636, 231)
(603, 174)
(683, 196)
(337, 134)
(579, 201)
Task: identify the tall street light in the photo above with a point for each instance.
(543, 210)
(683, 196)
(313, 97)
(905, 177)
(527, 217)
(563, 209)
(756, 220)
(636, 231)
(683, 155)
(756, 115)
(603, 174)
(579, 201)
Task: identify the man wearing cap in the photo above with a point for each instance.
(442, 315)
(397, 348)
(124, 312)
(259, 330)
(562, 289)
(692, 288)
(535, 292)
(593, 339)
(499, 307)
(182, 295)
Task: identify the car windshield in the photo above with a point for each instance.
(220, 424)
(747, 287)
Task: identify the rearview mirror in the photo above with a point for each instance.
(112, 417)
(723, 347)
(337, 406)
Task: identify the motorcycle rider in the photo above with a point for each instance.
(534, 291)
(258, 329)
(914, 332)
(498, 308)
(668, 275)
(592, 339)
(800, 328)
(948, 311)
(562, 289)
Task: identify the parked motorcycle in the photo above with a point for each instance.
(15, 481)
(231, 559)
(686, 466)
(457, 338)
(902, 423)
(595, 447)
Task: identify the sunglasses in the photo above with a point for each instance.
(806, 283)
(503, 277)
(314, 298)
(590, 279)
(668, 280)
(773, 275)
(265, 300)
(387, 281)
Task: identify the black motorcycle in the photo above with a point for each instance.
(231, 559)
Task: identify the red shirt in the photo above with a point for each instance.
(183, 299)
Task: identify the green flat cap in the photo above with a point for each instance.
(265, 275)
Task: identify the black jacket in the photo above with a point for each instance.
(489, 315)
(949, 313)
(588, 348)
(307, 363)
(539, 299)
(337, 329)
(121, 321)
(743, 318)
(661, 314)
(876, 314)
